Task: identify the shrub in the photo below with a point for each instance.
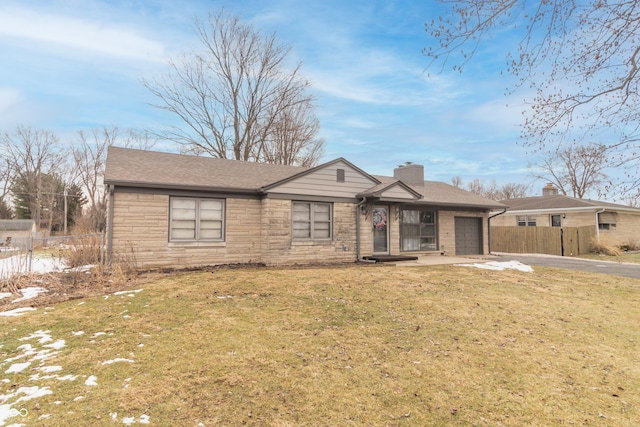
(631, 245)
(603, 247)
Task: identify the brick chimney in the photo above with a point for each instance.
(410, 173)
(549, 190)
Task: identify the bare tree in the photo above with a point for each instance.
(493, 191)
(89, 155)
(32, 154)
(456, 181)
(6, 172)
(513, 190)
(575, 170)
(581, 59)
(237, 99)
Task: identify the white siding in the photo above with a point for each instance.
(324, 182)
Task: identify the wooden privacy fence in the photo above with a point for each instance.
(564, 241)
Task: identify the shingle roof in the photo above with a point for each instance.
(558, 202)
(442, 194)
(16, 224)
(141, 168)
(127, 166)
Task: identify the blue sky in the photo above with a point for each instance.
(77, 64)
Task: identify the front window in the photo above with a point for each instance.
(556, 220)
(418, 230)
(526, 220)
(194, 219)
(312, 220)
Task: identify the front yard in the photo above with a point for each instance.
(353, 346)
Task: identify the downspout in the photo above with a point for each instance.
(358, 206)
(598, 223)
(489, 229)
(110, 225)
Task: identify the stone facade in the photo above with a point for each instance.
(257, 231)
(141, 234)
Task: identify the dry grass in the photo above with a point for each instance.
(602, 246)
(375, 346)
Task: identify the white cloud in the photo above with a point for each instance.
(73, 33)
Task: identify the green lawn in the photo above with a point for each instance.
(353, 346)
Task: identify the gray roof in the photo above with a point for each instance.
(442, 194)
(560, 202)
(140, 168)
(16, 224)
(143, 168)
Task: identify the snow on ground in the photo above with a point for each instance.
(16, 312)
(34, 355)
(19, 264)
(497, 265)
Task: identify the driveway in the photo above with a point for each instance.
(594, 266)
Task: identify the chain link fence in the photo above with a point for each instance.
(41, 254)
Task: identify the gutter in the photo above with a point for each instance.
(598, 223)
(489, 225)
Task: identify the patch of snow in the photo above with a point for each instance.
(500, 266)
(32, 393)
(42, 335)
(29, 293)
(128, 293)
(5, 294)
(16, 312)
(49, 369)
(17, 367)
(57, 345)
(116, 360)
(92, 380)
(77, 333)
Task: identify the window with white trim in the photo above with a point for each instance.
(312, 220)
(526, 220)
(196, 219)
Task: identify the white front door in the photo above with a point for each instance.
(381, 230)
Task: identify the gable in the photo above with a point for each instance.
(325, 181)
(397, 192)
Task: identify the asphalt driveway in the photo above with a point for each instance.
(594, 266)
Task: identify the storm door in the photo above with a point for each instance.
(381, 230)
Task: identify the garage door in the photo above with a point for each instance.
(468, 236)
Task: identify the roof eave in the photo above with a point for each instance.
(203, 188)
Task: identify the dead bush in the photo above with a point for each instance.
(630, 245)
(604, 247)
(81, 251)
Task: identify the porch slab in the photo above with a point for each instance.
(442, 260)
(390, 258)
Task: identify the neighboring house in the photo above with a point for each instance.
(171, 210)
(16, 231)
(619, 224)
